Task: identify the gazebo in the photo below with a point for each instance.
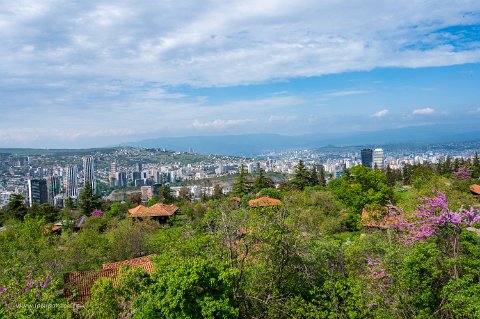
(159, 212)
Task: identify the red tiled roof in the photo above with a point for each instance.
(475, 189)
(53, 229)
(143, 262)
(138, 209)
(368, 220)
(156, 210)
(264, 202)
(77, 285)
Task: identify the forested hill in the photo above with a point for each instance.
(372, 244)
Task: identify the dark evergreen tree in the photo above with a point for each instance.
(88, 201)
(447, 166)
(14, 209)
(262, 182)
(301, 178)
(476, 166)
(185, 194)
(321, 176)
(217, 191)
(241, 186)
(456, 164)
(49, 212)
(390, 174)
(165, 195)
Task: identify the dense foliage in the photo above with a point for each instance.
(312, 257)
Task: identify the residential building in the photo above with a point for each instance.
(367, 157)
(89, 172)
(37, 191)
(378, 158)
(71, 181)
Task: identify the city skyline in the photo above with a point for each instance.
(90, 74)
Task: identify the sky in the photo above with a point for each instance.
(96, 73)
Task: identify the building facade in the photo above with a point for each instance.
(37, 191)
(378, 158)
(71, 181)
(367, 157)
(89, 172)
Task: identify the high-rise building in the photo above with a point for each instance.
(136, 175)
(367, 157)
(89, 172)
(138, 167)
(378, 158)
(53, 188)
(121, 178)
(71, 181)
(113, 168)
(37, 191)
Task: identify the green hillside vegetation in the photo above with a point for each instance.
(311, 257)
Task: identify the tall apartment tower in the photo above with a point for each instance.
(71, 181)
(37, 191)
(53, 188)
(378, 158)
(89, 172)
(367, 157)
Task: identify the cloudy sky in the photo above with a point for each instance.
(94, 73)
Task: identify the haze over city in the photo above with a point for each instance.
(98, 73)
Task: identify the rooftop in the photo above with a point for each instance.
(77, 285)
(156, 210)
(264, 202)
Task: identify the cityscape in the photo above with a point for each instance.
(119, 172)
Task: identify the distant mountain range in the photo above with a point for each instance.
(254, 144)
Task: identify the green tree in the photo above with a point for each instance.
(192, 288)
(165, 195)
(217, 191)
(241, 186)
(302, 177)
(15, 208)
(87, 200)
(262, 182)
(361, 186)
(135, 198)
(321, 176)
(117, 209)
(390, 174)
(49, 212)
(476, 166)
(185, 194)
(152, 201)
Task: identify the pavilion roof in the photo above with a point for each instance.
(156, 210)
(264, 202)
(475, 188)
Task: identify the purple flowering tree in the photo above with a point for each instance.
(29, 295)
(379, 281)
(97, 213)
(463, 173)
(433, 218)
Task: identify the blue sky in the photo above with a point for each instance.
(95, 73)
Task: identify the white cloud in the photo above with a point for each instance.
(218, 43)
(381, 113)
(82, 65)
(424, 111)
(476, 111)
(345, 93)
(219, 123)
(282, 118)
